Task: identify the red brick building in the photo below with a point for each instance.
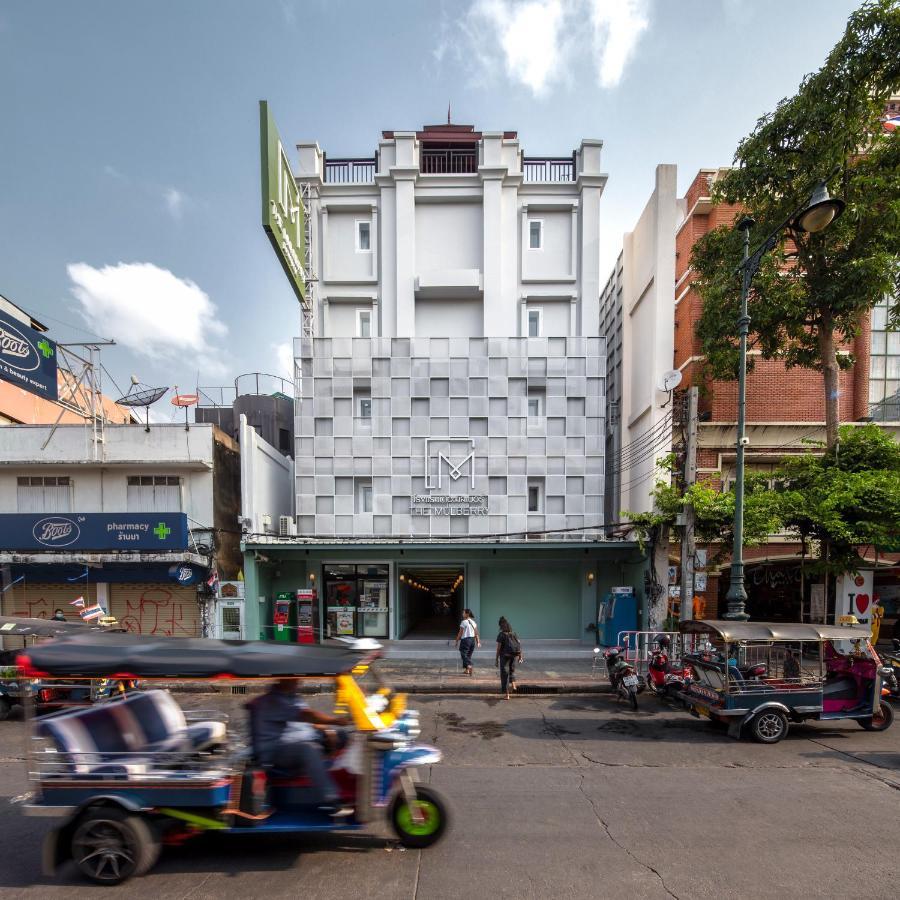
(785, 408)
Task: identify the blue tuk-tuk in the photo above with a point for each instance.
(126, 776)
(758, 677)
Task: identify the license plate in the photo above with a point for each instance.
(630, 681)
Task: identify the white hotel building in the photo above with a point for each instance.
(451, 407)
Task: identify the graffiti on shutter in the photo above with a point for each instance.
(40, 601)
(156, 609)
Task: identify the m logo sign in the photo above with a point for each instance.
(447, 460)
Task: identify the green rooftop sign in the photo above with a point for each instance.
(282, 211)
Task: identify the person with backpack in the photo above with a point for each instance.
(509, 652)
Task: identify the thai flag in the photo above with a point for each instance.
(891, 124)
(92, 612)
(79, 602)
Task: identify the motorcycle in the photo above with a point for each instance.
(891, 670)
(665, 679)
(624, 680)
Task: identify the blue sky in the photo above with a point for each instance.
(129, 171)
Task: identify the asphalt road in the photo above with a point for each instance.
(569, 797)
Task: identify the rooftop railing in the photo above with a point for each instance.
(548, 169)
(350, 171)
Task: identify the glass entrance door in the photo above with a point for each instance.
(231, 620)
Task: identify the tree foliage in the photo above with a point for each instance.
(813, 286)
(846, 499)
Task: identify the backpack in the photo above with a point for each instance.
(513, 645)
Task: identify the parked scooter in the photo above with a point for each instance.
(622, 677)
(664, 678)
(891, 661)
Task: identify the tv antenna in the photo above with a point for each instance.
(141, 395)
(668, 382)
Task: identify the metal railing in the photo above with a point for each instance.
(548, 169)
(435, 161)
(350, 171)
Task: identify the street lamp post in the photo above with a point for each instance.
(816, 215)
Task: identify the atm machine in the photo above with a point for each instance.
(282, 626)
(617, 612)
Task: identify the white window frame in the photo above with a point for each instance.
(536, 484)
(540, 225)
(368, 224)
(44, 492)
(363, 402)
(161, 481)
(363, 487)
(360, 313)
(539, 311)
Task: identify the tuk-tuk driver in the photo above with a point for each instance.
(290, 736)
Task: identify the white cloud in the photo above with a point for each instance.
(175, 202)
(152, 312)
(284, 360)
(543, 41)
(617, 26)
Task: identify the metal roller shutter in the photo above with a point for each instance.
(163, 609)
(41, 600)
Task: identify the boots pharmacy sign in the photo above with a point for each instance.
(282, 209)
(27, 358)
(148, 532)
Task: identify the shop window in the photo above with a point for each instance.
(154, 493)
(44, 493)
(356, 600)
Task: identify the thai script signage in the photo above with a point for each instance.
(27, 358)
(282, 208)
(94, 531)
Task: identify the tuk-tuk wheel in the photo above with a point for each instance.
(769, 726)
(881, 721)
(110, 845)
(5, 707)
(428, 827)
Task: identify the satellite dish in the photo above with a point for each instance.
(141, 395)
(185, 400)
(670, 380)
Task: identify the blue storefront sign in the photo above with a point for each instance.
(94, 531)
(27, 358)
(185, 574)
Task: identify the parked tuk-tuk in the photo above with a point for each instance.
(758, 677)
(49, 694)
(127, 776)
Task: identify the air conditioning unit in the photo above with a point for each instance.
(287, 527)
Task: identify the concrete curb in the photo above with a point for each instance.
(560, 686)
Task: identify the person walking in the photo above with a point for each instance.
(467, 639)
(509, 652)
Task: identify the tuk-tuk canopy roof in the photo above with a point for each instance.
(774, 631)
(20, 626)
(118, 655)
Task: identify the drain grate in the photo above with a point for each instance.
(239, 689)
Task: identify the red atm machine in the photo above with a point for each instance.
(306, 616)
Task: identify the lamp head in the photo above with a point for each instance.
(820, 212)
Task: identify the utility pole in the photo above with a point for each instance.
(688, 549)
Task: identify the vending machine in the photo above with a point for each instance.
(617, 612)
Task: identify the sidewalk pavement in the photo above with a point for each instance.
(544, 675)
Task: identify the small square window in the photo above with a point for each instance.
(535, 234)
(535, 402)
(535, 322)
(363, 236)
(365, 407)
(364, 323)
(535, 495)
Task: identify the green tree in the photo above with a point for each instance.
(845, 499)
(814, 290)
